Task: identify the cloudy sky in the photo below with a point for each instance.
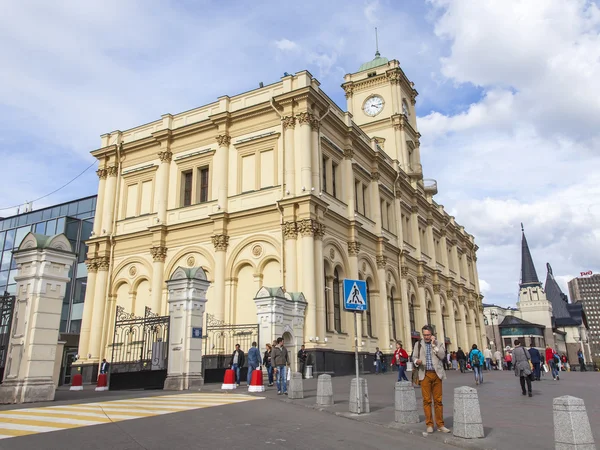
(509, 104)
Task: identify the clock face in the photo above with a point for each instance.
(373, 106)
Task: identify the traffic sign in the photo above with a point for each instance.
(355, 295)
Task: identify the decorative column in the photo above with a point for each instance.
(162, 182)
(159, 254)
(405, 312)
(222, 164)
(290, 235)
(414, 224)
(100, 300)
(439, 317)
(307, 228)
(108, 202)
(319, 282)
(421, 277)
(453, 333)
(348, 185)
(376, 202)
(187, 300)
(289, 123)
(220, 242)
(353, 250)
(463, 318)
(431, 244)
(43, 272)
(454, 253)
(88, 308)
(444, 252)
(383, 314)
(305, 149)
(315, 124)
(473, 339)
(102, 174)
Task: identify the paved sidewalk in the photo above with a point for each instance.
(511, 421)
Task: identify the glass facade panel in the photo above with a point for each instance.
(60, 225)
(9, 239)
(5, 264)
(11, 289)
(73, 209)
(64, 210)
(3, 278)
(86, 205)
(40, 228)
(80, 287)
(75, 326)
(34, 217)
(2, 240)
(77, 311)
(47, 214)
(51, 227)
(21, 233)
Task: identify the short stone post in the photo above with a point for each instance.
(405, 403)
(364, 397)
(572, 429)
(43, 273)
(467, 414)
(324, 390)
(187, 299)
(296, 386)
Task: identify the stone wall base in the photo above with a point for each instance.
(184, 382)
(27, 391)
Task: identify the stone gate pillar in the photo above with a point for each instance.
(278, 313)
(43, 271)
(187, 300)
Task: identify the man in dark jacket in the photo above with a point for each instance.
(280, 361)
(302, 358)
(462, 359)
(536, 360)
(237, 362)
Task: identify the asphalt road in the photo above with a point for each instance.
(267, 423)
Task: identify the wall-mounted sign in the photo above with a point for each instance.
(585, 274)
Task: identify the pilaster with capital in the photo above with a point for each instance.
(102, 174)
(108, 202)
(162, 182)
(221, 179)
(88, 308)
(290, 236)
(319, 270)
(288, 124)
(304, 144)
(383, 305)
(98, 309)
(220, 243)
(348, 174)
(353, 248)
(307, 228)
(159, 254)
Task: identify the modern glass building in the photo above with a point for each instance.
(75, 219)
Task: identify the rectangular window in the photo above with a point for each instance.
(364, 200)
(334, 169)
(267, 169)
(132, 198)
(324, 169)
(356, 189)
(203, 184)
(186, 179)
(249, 173)
(146, 200)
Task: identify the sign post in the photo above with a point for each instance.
(355, 299)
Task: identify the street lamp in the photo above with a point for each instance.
(493, 314)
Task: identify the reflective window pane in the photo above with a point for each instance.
(5, 264)
(60, 225)
(40, 228)
(2, 240)
(51, 227)
(86, 205)
(21, 233)
(9, 239)
(72, 211)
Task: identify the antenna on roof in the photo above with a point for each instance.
(377, 54)
(522, 229)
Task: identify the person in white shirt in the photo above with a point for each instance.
(498, 356)
(487, 354)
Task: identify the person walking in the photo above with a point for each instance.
(378, 357)
(428, 355)
(302, 358)
(487, 354)
(462, 359)
(581, 361)
(476, 361)
(253, 361)
(281, 361)
(523, 365)
(499, 359)
(268, 364)
(237, 362)
(552, 362)
(508, 358)
(536, 360)
(454, 361)
(400, 359)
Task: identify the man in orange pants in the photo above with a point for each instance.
(428, 357)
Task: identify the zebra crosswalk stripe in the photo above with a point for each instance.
(26, 421)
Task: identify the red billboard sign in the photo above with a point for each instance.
(585, 274)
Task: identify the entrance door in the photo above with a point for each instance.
(65, 370)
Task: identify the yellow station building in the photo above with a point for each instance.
(279, 187)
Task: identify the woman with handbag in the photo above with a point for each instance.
(400, 359)
(523, 366)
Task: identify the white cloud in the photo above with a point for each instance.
(286, 45)
(484, 286)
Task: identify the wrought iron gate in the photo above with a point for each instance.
(7, 306)
(219, 343)
(139, 351)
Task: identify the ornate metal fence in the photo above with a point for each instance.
(219, 343)
(139, 351)
(7, 307)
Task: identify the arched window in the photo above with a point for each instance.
(429, 322)
(411, 313)
(326, 297)
(392, 314)
(369, 324)
(337, 315)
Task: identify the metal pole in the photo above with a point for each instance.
(356, 364)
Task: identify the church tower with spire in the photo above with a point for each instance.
(533, 304)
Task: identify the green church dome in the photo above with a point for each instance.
(378, 61)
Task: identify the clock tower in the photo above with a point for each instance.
(382, 100)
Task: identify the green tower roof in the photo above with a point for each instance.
(376, 62)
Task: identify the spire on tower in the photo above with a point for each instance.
(377, 54)
(528, 274)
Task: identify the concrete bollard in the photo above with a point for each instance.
(405, 403)
(364, 397)
(467, 414)
(324, 390)
(572, 429)
(296, 386)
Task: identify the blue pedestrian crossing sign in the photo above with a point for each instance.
(355, 295)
